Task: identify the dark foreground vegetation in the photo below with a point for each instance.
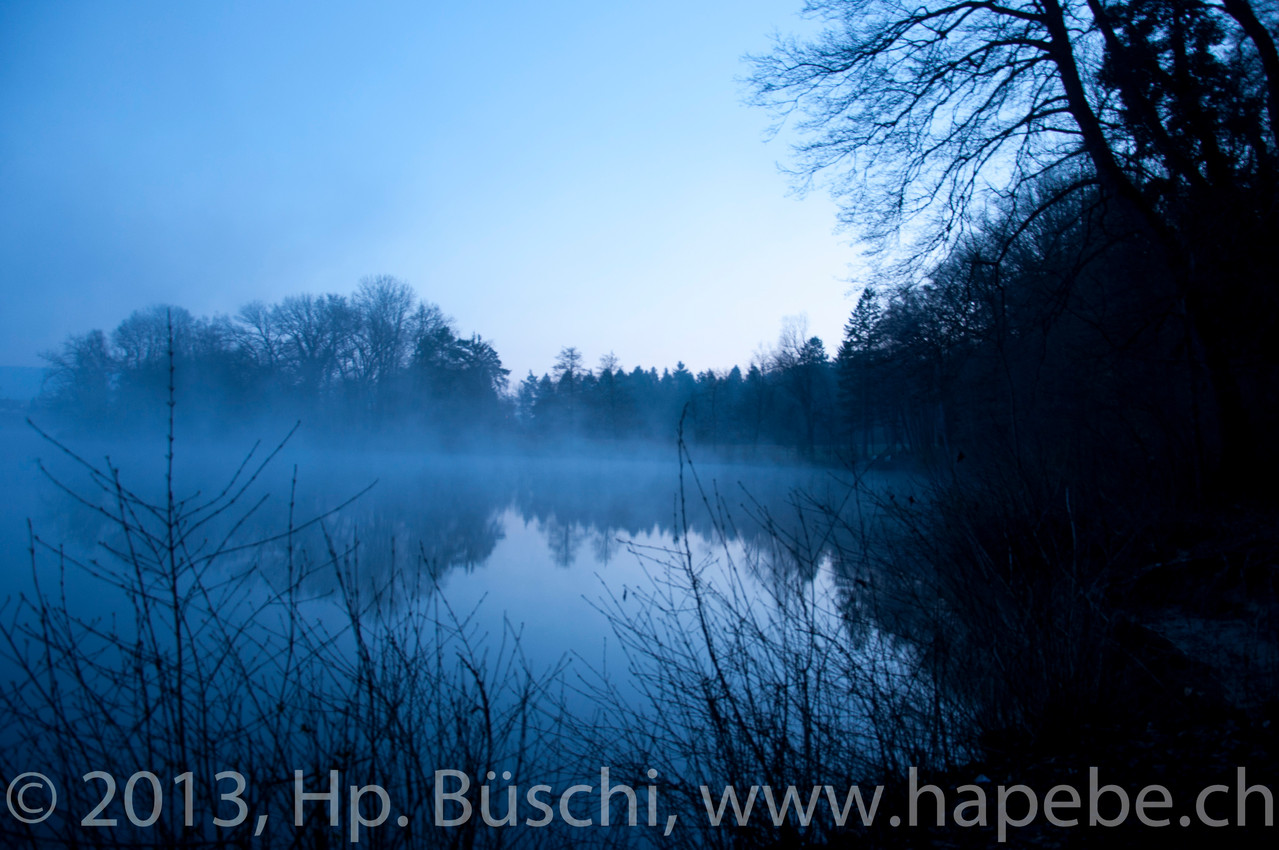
(1080, 353)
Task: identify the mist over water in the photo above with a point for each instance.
(527, 541)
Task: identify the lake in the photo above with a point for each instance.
(368, 607)
(534, 539)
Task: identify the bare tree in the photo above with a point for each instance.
(316, 336)
(801, 363)
(385, 307)
(609, 364)
(143, 339)
(923, 116)
(258, 332)
(914, 109)
(568, 364)
(81, 374)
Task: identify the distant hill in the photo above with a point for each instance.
(21, 383)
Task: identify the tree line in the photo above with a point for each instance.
(381, 359)
(975, 351)
(785, 398)
(351, 361)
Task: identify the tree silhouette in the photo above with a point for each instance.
(1159, 112)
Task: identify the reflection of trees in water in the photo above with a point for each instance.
(859, 594)
(605, 546)
(790, 541)
(563, 539)
(600, 496)
(435, 517)
(788, 525)
(437, 538)
(787, 521)
(445, 514)
(448, 515)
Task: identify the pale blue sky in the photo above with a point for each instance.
(552, 173)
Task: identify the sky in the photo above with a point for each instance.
(550, 174)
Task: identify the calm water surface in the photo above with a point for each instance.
(532, 541)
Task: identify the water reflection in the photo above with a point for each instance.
(497, 525)
(579, 646)
(450, 515)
